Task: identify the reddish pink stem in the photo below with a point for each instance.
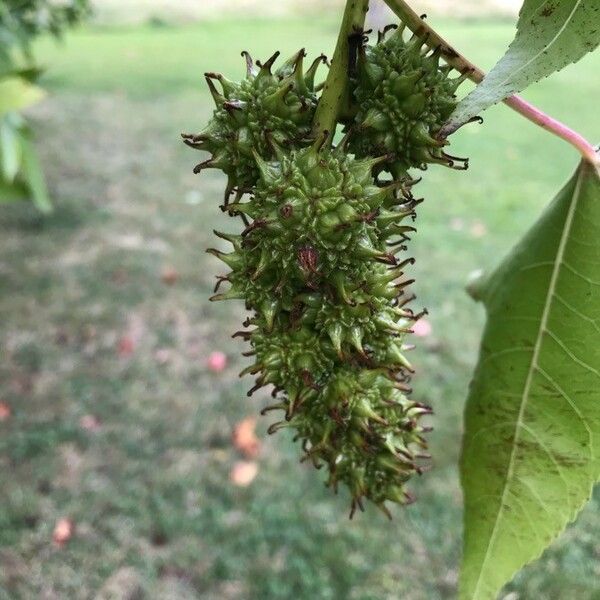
(559, 129)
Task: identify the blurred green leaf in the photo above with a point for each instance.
(532, 420)
(34, 178)
(10, 149)
(550, 35)
(12, 192)
(17, 94)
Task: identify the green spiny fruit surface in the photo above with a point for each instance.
(403, 97)
(266, 106)
(317, 265)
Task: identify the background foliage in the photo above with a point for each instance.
(115, 420)
(21, 21)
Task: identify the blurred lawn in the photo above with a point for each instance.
(149, 489)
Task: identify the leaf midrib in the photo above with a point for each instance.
(512, 74)
(532, 366)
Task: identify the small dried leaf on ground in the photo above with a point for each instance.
(244, 438)
(243, 473)
(169, 275)
(63, 531)
(90, 423)
(217, 361)
(5, 412)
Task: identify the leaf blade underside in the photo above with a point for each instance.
(551, 34)
(531, 448)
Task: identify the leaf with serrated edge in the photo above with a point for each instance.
(551, 34)
(531, 447)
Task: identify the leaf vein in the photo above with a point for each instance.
(577, 312)
(571, 355)
(575, 410)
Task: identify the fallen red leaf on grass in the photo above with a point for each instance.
(243, 473)
(169, 275)
(162, 356)
(217, 361)
(63, 531)
(244, 438)
(5, 411)
(89, 423)
(126, 346)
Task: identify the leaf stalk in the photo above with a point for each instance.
(336, 89)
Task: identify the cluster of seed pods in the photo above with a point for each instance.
(321, 255)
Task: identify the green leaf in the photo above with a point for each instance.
(531, 447)
(12, 192)
(10, 149)
(16, 94)
(551, 34)
(34, 178)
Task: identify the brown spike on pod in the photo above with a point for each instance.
(402, 387)
(381, 34)
(245, 335)
(421, 314)
(203, 165)
(279, 406)
(385, 510)
(255, 388)
(267, 66)
(403, 284)
(217, 96)
(343, 143)
(475, 120)
(274, 427)
(398, 249)
(229, 188)
(463, 162)
(251, 370)
(406, 300)
(256, 224)
(249, 63)
(194, 145)
(321, 140)
(220, 280)
(410, 498)
(352, 509)
(309, 76)
(405, 262)
(386, 258)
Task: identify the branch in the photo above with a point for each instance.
(418, 26)
(335, 89)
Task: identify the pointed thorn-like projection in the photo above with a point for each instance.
(403, 97)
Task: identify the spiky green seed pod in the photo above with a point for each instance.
(266, 106)
(317, 264)
(403, 96)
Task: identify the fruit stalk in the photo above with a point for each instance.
(417, 25)
(335, 92)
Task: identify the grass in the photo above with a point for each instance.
(149, 490)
